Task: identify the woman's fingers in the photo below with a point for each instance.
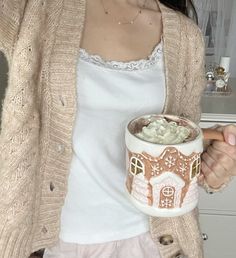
(219, 159)
(214, 174)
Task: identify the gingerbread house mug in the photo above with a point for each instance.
(162, 177)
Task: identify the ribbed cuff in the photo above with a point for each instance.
(15, 243)
(211, 190)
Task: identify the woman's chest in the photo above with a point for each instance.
(103, 35)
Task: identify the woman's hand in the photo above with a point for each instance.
(219, 159)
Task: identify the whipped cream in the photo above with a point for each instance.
(163, 132)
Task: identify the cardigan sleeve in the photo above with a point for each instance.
(199, 83)
(11, 13)
(196, 82)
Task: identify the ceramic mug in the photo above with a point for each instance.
(162, 178)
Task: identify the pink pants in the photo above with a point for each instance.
(141, 246)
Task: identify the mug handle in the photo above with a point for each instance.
(212, 134)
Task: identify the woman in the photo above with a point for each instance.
(42, 180)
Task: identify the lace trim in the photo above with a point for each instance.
(141, 64)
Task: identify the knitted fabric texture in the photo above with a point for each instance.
(41, 39)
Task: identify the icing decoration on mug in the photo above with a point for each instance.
(167, 181)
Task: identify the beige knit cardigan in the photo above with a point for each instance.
(40, 39)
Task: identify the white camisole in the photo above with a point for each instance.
(110, 93)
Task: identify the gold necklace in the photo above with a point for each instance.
(127, 22)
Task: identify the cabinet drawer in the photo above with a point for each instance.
(221, 233)
(221, 202)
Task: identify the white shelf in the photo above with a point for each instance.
(222, 118)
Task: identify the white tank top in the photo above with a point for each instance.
(110, 93)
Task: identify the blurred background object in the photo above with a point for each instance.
(217, 21)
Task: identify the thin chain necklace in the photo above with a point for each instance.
(126, 22)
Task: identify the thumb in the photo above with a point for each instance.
(230, 134)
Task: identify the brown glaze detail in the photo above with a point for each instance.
(150, 199)
(212, 134)
(148, 168)
(129, 182)
(170, 160)
(130, 177)
(184, 192)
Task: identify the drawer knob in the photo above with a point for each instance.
(204, 236)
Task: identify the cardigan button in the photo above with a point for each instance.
(62, 100)
(52, 186)
(60, 148)
(44, 230)
(166, 240)
(179, 254)
(182, 115)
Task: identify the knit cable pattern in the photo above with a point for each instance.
(41, 41)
